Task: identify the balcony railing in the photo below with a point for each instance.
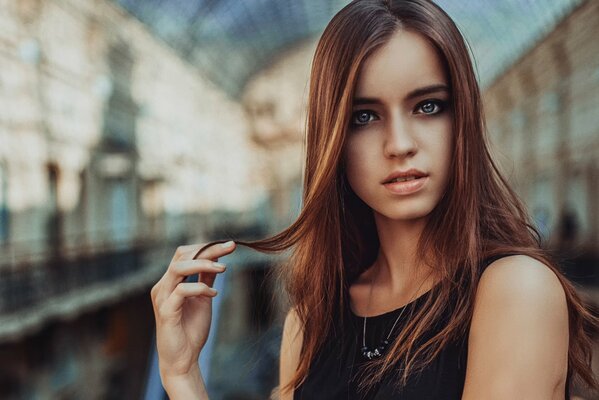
(36, 286)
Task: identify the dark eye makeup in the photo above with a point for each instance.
(430, 107)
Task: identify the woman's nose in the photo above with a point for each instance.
(399, 140)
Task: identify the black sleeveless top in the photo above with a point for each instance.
(334, 372)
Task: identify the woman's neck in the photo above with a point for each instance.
(397, 268)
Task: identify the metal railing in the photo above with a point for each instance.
(66, 284)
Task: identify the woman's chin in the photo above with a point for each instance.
(415, 215)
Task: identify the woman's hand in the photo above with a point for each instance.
(183, 310)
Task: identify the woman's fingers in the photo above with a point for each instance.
(215, 251)
(173, 303)
(177, 272)
(189, 267)
(184, 264)
(190, 252)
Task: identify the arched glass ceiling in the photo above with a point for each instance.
(230, 40)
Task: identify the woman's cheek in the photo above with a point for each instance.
(356, 169)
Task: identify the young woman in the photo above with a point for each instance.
(415, 271)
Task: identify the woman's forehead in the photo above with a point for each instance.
(407, 61)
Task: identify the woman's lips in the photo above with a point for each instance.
(406, 187)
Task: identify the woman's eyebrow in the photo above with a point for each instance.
(435, 88)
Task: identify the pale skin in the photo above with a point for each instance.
(183, 312)
(518, 339)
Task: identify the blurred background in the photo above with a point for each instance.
(129, 127)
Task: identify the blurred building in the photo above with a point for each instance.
(129, 127)
(111, 155)
(546, 136)
(247, 336)
(545, 132)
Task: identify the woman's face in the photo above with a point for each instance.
(400, 121)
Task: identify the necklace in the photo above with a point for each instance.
(378, 351)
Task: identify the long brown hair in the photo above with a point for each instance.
(334, 238)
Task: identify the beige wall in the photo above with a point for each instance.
(544, 124)
(60, 63)
(275, 101)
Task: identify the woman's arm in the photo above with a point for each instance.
(189, 386)
(291, 344)
(518, 341)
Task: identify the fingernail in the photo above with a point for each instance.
(219, 265)
(227, 244)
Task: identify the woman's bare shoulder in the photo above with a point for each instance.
(524, 282)
(519, 272)
(519, 328)
(291, 344)
(292, 327)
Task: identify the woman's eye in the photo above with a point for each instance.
(428, 107)
(431, 107)
(361, 117)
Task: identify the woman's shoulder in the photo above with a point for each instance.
(518, 272)
(519, 289)
(519, 322)
(520, 279)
